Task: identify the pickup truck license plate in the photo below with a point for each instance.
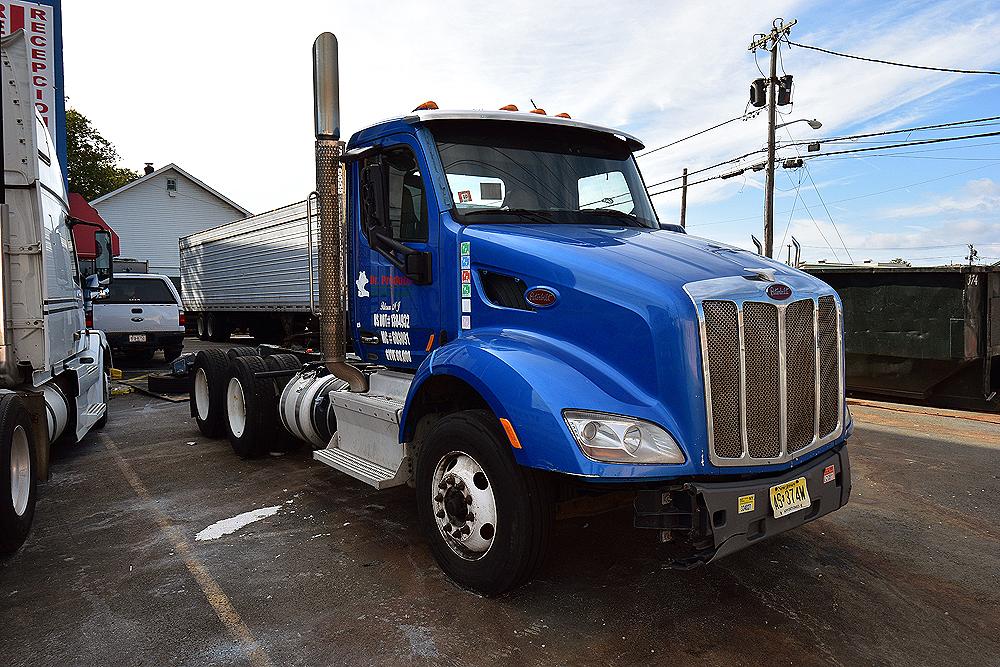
(137, 338)
(789, 497)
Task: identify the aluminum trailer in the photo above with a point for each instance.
(252, 274)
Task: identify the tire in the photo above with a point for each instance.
(240, 351)
(251, 408)
(217, 329)
(103, 421)
(18, 461)
(468, 447)
(202, 328)
(172, 352)
(282, 362)
(208, 392)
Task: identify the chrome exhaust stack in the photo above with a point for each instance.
(331, 187)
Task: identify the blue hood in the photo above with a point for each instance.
(622, 318)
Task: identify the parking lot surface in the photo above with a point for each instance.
(337, 573)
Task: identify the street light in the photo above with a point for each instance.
(813, 123)
(769, 187)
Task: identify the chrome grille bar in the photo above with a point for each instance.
(773, 377)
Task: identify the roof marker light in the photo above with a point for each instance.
(429, 105)
(564, 115)
(540, 112)
(508, 107)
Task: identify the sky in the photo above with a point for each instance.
(223, 88)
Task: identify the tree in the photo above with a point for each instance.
(900, 261)
(92, 159)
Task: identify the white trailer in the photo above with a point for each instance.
(252, 274)
(54, 371)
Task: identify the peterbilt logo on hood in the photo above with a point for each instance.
(543, 297)
(779, 292)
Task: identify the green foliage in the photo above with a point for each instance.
(92, 159)
(900, 261)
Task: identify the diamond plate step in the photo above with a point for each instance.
(362, 469)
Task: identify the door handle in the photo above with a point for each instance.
(369, 338)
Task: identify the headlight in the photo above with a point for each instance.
(617, 439)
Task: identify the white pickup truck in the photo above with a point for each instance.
(141, 314)
(54, 372)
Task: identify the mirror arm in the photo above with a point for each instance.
(393, 245)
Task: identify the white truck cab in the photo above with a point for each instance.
(54, 372)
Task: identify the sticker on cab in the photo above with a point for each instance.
(829, 474)
(746, 503)
(464, 196)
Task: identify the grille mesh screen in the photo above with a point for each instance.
(723, 337)
(760, 329)
(800, 374)
(829, 366)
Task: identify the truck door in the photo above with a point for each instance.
(396, 318)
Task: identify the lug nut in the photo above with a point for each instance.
(442, 486)
(447, 528)
(438, 498)
(440, 514)
(468, 500)
(470, 517)
(459, 485)
(466, 530)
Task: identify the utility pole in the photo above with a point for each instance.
(770, 42)
(684, 197)
(973, 254)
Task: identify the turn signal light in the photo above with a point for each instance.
(564, 115)
(89, 319)
(540, 112)
(508, 107)
(180, 318)
(429, 105)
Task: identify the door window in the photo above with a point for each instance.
(407, 196)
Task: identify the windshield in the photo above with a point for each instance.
(522, 172)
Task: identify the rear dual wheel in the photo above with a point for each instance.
(488, 519)
(208, 391)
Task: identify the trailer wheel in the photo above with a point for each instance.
(208, 392)
(202, 327)
(17, 473)
(251, 407)
(217, 329)
(241, 351)
(487, 519)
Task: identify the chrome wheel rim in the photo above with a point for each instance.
(201, 326)
(20, 470)
(464, 507)
(201, 393)
(236, 408)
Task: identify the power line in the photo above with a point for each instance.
(870, 194)
(889, 62)
(743, 116)
(903, 145)
(938, 126)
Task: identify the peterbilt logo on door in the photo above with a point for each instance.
(779, 292)
(542, 297)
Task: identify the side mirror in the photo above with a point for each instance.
(102, 258)
(374, 198)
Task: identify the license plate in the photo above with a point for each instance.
(137, 338)
(789, 497)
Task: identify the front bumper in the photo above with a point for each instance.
(701, 521)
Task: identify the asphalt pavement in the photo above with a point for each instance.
(114, 572)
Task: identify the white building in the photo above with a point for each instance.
(151, 213)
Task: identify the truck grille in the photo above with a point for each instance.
(773, 379)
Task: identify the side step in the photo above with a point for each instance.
(370, 473)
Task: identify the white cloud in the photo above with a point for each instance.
(980, 196)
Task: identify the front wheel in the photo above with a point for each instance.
(17, 473)
(488, 520)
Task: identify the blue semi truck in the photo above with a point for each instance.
(525, 332)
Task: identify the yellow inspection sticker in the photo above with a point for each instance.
(746, 503)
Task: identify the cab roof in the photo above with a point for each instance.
(419, 117)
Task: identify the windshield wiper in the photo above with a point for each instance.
(615, 213)
(522, 213)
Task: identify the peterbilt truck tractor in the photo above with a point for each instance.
(54, 370)
(523, 332)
